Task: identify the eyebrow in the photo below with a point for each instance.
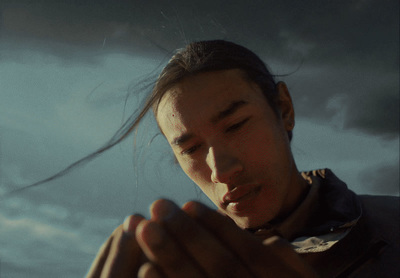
(230, 110)
(182, 139)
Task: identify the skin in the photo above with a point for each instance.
(246, 154)
(194, 241)
(243, 162)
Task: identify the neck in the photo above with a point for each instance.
(296, 195)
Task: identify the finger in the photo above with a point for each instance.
(208, 252)
(125, 254)
(223, 228)
(285, 253)
(149, 270)
(131, 222)
(101, 257)
(275, 255)
(164, 251)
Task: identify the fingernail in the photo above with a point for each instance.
(163, 209)
(131, 222)
(194, 209)
(148, 270)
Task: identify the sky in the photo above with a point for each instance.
(72, 71)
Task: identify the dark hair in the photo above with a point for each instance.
(205, 56)
(196, 57)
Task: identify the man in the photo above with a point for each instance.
(229, 125)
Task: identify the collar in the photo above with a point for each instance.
(324, 217)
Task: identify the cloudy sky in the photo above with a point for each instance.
(72, 71)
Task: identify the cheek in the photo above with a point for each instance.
(196, 172)
(201, 175)
(256, 149)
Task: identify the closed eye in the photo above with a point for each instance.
(237, 126)
(190, 150)
(232, 128)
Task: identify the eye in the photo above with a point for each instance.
(237, 125)
(190, 150)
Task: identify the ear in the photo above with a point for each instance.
(285, 106)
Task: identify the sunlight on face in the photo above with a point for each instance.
(230, 142)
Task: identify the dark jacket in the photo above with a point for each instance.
(341, 234)
(370, 249)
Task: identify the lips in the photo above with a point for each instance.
(239, 194)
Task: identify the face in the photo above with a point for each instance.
(230, 142)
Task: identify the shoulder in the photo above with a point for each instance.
(382, 215)
(390, 202)
(380, 224)
(381, 207)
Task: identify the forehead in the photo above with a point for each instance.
(199, 97)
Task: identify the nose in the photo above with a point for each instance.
(224, 165)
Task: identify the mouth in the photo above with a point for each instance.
(240, 197)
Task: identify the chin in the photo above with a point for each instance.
(247, 223)
(252, 222)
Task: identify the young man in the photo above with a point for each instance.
(229, 125)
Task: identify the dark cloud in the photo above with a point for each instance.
(351, 98)
(337, 43)
(375, 113)
(363, 30)
(382, 180)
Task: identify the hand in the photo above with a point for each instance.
(120, 256)
(199, 242)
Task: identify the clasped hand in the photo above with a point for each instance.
(194, 241)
